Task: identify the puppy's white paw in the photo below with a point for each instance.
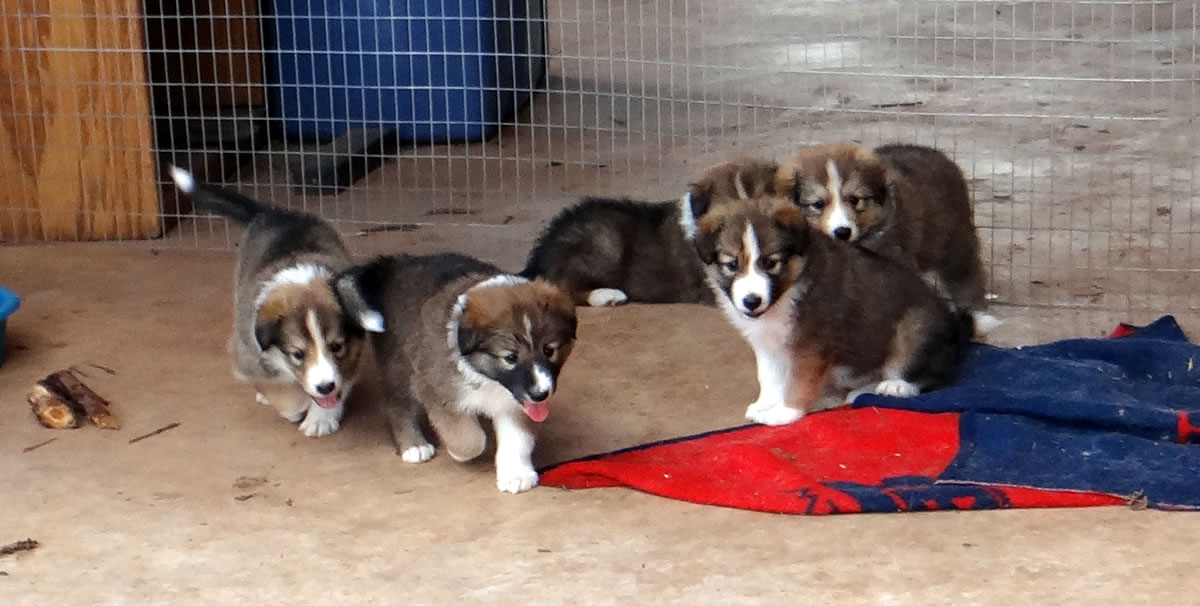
(321, 421)
(898, 388)
(515, 479)
(261, 399)
(606, 297)
(760, 405)
(775, 415)
(417, 454)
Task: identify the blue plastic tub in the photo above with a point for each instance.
(9, 302)
(438, 71)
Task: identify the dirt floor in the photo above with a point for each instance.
(1071, 120)
(235, 504)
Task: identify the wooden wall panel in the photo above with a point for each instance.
(76, 153)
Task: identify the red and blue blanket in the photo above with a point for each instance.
(1079, 422)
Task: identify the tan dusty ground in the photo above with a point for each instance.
(1070, 118)
(343, 520)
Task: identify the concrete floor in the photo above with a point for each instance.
(1085, 189)
(342, 519)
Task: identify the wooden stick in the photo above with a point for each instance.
(94, 406)
(154, 433)
(53, 409)
(38, 445)
(22, 545)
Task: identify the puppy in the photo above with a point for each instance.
(907, 202)
(463, 340)
(608, 252)
(291, 339)
(826, 320)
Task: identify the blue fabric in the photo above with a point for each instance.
(1117, 416)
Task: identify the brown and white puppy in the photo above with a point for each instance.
(460, 339)
(826, 320)
(291, 338)
(907, 202)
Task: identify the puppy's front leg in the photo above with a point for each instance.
(774, 374)
(514, 451)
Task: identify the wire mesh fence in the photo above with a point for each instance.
(465, 124)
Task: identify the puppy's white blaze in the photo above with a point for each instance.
(542, 379)
(740, 186)
(371, 321)
(184, 180)
(304, 273)
(687, 222)
(323, 369)
(839, 215)
(754, 281)
(606, 297)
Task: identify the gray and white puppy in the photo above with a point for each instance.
(460, 339)
(291, 339)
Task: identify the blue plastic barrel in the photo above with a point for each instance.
(9, 302)
(438, 71)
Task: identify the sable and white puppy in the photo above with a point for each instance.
(461, 339)
(608, 252)
(826, 320)
(907, 202)
(291, 339)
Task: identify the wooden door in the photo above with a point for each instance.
(76, 150)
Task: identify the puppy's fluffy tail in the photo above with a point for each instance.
(354, 291)
(217, 200)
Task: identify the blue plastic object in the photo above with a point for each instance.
(438, 71)
(9, 302)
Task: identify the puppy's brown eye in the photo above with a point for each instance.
(772, 265)
(297, 355)
(336, 348)
(730, 267)
(510, 358)
(549, 351)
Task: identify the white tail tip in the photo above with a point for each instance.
(372, 321)
(183, 179)
(985, 323)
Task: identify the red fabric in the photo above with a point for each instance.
(840, 461)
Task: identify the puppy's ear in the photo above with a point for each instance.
(266, 330)
(792, 221)
(356, 290)
(706, 241)
(469, 337)
(754, 177)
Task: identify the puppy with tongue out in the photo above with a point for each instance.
(459, 339)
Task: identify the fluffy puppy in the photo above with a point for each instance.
(826, 320)
(463, 340)
(607, 252)
(906, 202)
(291, 339)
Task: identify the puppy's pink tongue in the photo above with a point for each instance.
(328, 401)
(537, 411)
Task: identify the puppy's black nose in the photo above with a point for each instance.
(537, 396)
(842, 233)
(751, 302)
(326, 388)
